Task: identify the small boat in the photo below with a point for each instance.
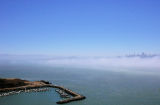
(62, 93)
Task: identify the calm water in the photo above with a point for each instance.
(100, 87)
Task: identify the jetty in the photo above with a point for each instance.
(28, 86)
(75, 96)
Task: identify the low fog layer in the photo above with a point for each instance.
(131, 61)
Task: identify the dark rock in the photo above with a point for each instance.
(46, 82)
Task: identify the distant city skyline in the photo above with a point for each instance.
(79, 28)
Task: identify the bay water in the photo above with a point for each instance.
(101, 87)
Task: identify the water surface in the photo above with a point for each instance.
(101, 87)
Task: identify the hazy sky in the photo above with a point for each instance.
(79, 27)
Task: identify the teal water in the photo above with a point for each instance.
(101, 87)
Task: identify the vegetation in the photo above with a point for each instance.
(8, 83)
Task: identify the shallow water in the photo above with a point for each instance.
(101, 87)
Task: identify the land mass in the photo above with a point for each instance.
(14, 84)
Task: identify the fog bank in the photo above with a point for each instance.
(84, 62)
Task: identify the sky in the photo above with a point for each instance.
(79, 27)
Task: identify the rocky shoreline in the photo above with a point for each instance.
(42, 84)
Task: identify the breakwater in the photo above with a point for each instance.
(75, 96)
(16, 90)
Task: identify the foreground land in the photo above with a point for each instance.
(13, 84)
